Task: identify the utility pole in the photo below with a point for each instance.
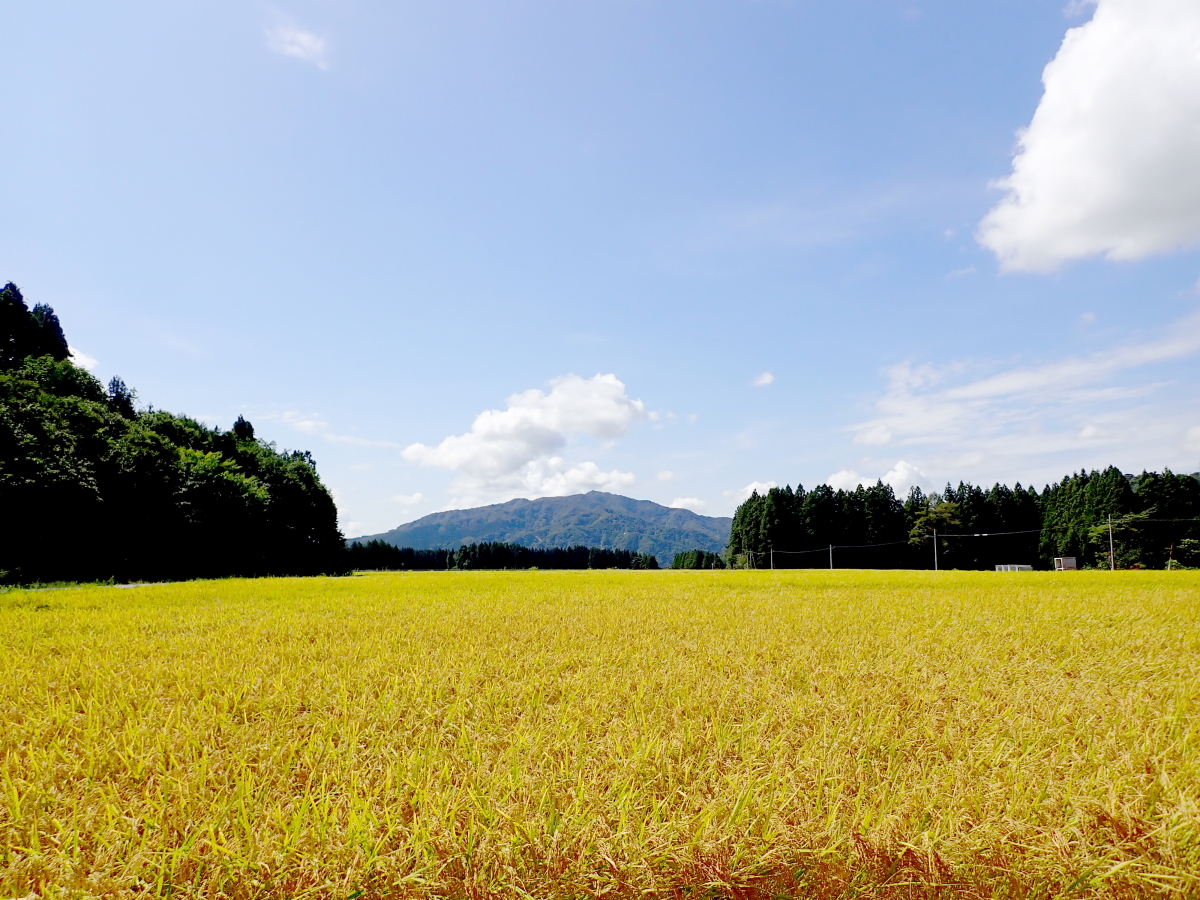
(935, 568)
(1112, 556)
(772, 559)
(831, 556)
(1171, 556)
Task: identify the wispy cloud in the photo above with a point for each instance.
(763, 380)
(1025, 412)
(313, 425)
(409, 499)
(287, 38)
(796, 223)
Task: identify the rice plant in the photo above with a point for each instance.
(604, 734)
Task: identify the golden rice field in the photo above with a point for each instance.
(605, 734)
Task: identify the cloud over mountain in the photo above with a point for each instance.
(516, 451)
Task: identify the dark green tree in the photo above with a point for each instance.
(121, 399)
(243, 430)
(92, 489)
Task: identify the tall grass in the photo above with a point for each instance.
(676, 734)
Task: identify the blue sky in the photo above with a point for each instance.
(469, 251)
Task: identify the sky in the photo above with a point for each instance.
(468, 251)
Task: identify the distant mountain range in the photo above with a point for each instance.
(595, 519)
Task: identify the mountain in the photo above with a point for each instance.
(595, 519)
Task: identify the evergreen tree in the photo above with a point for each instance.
(47, 334)
(243, 430)
(121, 399)
(93, 489)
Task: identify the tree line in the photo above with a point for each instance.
(93, 487)
(1154, 520)
(377, 555)
(698, 559)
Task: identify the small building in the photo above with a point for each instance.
(1014, 568)
(1064, 564)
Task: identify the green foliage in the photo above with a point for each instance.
(25, 333)
(697, 559)
(93, 489)
(377, 554)
(1154, 515)
(938, 515)
(243, 430)
(121, 399)
(594, 519)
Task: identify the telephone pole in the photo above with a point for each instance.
(935, 568)
(1112, 556)
(831, 556)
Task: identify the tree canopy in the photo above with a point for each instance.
(1154, 518)
(94, 488)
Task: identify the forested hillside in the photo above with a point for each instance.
(1154, 519)
(594, 519)
(376, 554)
(92, 487)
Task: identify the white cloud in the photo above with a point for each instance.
(313, 425)
(305, 423)
(902, 477)
(515, 451)
(740, 495)
(665, 475)
(844, 480)
(81, 359)
(695, 504)
(1108, 163)
(408, 499)
(288, 39)
(763, 380)
(1023, 413)
(960, 273)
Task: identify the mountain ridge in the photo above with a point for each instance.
(595, 519)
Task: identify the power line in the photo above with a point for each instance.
(992, 533)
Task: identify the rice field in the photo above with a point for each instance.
(605, 734)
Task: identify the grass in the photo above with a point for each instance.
(605, 734)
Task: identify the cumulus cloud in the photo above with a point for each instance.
(763, 380)
(740, 495)
(288, 39)
(81, 359)
(844, 480)
(1108, 162)
(901, 478)
(695, 504)
(514, 451)
(665, 475)
(408, 499)
(1118, 400)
